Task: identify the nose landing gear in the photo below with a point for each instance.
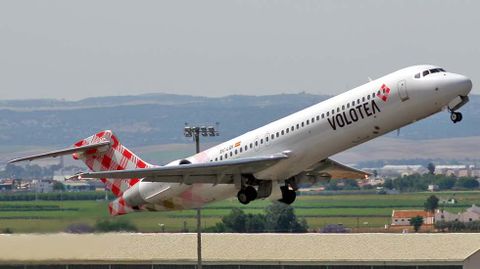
(456, 116)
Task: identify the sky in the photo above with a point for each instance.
(78, 49)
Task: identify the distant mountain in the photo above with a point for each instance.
(159, 118)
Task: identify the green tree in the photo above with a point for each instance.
(431, 204)
(255, 223)
(431, 168)
(120, 225)
(467, 183)
(388, 184)
(235, 221)
(445, 183)
(281, 218)
(416, 222)
(58, 186)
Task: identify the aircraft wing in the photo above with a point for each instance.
(211, 172)
(335, 170)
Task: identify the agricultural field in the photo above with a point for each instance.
(352, 210)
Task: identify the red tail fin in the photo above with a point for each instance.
(114, 157)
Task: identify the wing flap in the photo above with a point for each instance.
(60, 152)
(212, 172)
(336, 170)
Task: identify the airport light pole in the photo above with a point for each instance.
(195, 132)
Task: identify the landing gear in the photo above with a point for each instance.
(288, 195)
(456, 116)
(247, 195)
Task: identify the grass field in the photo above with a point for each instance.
(363, 211)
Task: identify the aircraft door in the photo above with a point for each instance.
(402, 90)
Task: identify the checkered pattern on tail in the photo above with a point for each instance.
(116, 157)
(119, 207)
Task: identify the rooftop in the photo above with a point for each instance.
(410, 213)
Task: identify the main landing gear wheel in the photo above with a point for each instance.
(247, 195)
(288, 195)
(456, 117)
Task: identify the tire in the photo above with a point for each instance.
(242, 197)
(459, 116)
(251, 193)
(453, 117)
(288, 196)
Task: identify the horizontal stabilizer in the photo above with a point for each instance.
(60, 152)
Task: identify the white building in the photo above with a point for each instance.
(471, 214)
(41, 186)
(402, 170)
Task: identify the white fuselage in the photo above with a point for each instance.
(322, 130)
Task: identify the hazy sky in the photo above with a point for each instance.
(77, 49)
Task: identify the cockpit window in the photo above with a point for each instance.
(417, 75)
(431, 71)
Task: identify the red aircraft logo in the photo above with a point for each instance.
(384, 92)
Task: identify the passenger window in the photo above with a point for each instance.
(328, 113)
(282, 132)
(298, 126)
(308, 122)
(278, 134)
(363, 99)
(318, 117)
(338, 109)
(231, 154)
(236, 152)
(226, 155)
(343, 107)
(293, 128)
(273, 136)
(353, 103)
(246, 147)
(323, 116)
(333, 111)
(287, 130)
(313, 120)
(261, 141)
(221, 158)
(241, 149)
(373, 95)
(368, 97)
(216, 159)
(348, 105)
(417, 75)
(251, 145)
(256, 143)
(266, 139)
(303, 124)
(358, 101)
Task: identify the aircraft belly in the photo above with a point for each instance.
(191, 196)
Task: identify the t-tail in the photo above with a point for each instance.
(103, 152)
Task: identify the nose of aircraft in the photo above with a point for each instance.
(460, 84)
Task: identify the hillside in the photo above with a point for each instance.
(159, 118)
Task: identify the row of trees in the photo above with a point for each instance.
(54, 196)
(29, 171)
(418, 182)
(278, 217)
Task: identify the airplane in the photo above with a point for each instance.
(274, 160)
